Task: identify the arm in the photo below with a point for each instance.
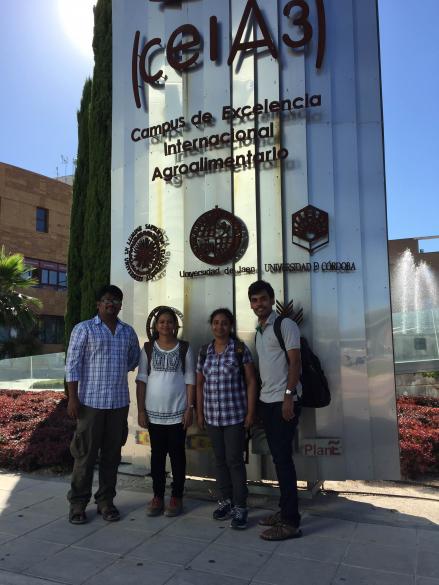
(189, 413)
(141, 381)
(73, 403)
(133, 351)
(75, 356)
(200, 400)
(293, 379)
(250, 380)
(142, 417)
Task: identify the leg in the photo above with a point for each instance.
(114, 436)
(84, 449)
(177, 455)
(280, 435)
(223, 478)
(159, 449)
(234, 438)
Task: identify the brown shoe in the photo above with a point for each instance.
(270, 520)
(175, 507)
(281, 531)
(155, 507)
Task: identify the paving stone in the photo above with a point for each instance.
(332, 527)
(320, 548)
(22, 552)
(389, 535)
(138, 520)
(428, 563)
(358, 576)
(243, 564)
(281, 570)
(198, 528)
(5, 537)
(426, 581)
(428, 539)
(113, 539)
(65, 533)
(190, 577)
(16, 579)
(169, 549)
(72, 565)
(134, 572)
(22, 522)
(246, 539)
(381, 558)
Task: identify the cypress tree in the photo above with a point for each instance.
(80, 186)
(97, 226)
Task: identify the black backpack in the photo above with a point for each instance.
(315, 387)
(183, 347)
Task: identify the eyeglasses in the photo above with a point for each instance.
(111, 302)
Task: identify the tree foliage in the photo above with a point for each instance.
(16, 308)
(90, 228)
(97, 225)
(80, 186)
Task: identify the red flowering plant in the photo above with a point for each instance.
(35, 430)
(418, 421)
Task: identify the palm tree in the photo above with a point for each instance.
(16, 308)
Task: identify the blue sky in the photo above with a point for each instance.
(42, 72)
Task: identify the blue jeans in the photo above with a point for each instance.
(280, 435)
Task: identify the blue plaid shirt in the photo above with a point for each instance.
(100, 361)
(225, 392)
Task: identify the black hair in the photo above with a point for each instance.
(164, 311)
(230, 317)
(260, 286)
(110, 289)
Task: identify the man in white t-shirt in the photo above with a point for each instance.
(279, 405)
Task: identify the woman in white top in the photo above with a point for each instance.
(165, 403)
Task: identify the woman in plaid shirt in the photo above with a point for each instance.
(226, 401)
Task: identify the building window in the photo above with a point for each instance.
(42, 220)
(48, 273)
(51, 329)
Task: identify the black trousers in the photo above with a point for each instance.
(280, 435)
(168, 440)
(231, 475)
(97, 430)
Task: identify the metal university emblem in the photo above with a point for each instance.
(310, 228)
(219, 237)
(145, 253)
(152, 316)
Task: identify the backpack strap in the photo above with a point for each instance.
(278, 332)
(148, 346)
(239, 352)
(183, 347)
(203, 353)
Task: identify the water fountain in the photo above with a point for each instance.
(415, 306)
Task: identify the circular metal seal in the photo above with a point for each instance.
(218, 237)
(152, 315)
(145, 253)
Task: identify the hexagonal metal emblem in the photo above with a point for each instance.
(310, 228)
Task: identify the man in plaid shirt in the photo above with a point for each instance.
(101, 352)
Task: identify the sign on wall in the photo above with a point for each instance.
(247, 143)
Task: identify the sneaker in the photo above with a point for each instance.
(175, 507)
(155, 506)
(271, 519)
(239, 517)
(224, 510)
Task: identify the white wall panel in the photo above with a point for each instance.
(335, 163)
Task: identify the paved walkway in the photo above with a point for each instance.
(388, 534)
